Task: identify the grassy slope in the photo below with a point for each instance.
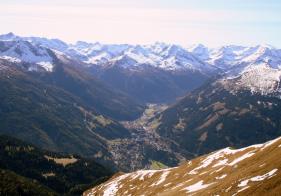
(221, 173)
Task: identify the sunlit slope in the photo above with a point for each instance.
(254, 170)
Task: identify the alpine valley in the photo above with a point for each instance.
(108, 108)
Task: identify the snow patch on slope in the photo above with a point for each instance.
(112, 187)
(258, 78)
(258, 178)
(24, 51)
(197, 186)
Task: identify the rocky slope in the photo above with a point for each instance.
(254, 170)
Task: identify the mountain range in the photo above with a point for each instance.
(152, 69)
(130, 107)
(97, 100)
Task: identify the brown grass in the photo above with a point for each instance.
(261, 162)
(208, 122)
(62, 161)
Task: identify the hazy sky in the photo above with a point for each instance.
(211, 22)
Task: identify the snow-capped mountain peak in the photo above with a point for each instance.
(26, 52)
(198, 49)
(258, 78)
(231, 59)
(8, 37)
(158, 47)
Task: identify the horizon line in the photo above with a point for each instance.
(139, 44)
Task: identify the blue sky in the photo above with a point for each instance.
(212, 22)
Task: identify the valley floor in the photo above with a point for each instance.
(145, 146)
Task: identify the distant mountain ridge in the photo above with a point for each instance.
(160, 55)
(162, 71)
(148, 64)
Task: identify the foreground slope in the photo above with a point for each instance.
(254, 170)
(27, 170)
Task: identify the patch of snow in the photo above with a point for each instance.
(215, 156)
(243, 183)
(162, 178)
(140, 58)
(203, 173)
(103, 57)
(267, 175)
(167, 184)
(245, 156)
(258, 178)
(220, 163)
(24, 51)
(142, 173)
(221, 177)
(11, 59)
(46, 65)
(262, 165)
(244, 188)
(197, 186)
(218, 170)
(226, 190)
(177, 186)
(112, 187)
(257, 78)
(269, 143)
